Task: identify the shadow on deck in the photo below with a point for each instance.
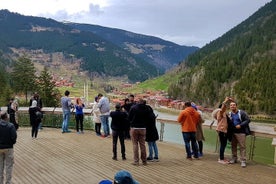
(58, 158)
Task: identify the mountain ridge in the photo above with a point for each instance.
(98, 56)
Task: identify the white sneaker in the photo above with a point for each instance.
(233, 160)
(223, 161)
(243, 164)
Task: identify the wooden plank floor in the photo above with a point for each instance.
(56, 158)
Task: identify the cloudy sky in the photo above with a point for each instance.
(185, 22)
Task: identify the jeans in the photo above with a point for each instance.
(138, 137)
(105, 124)
(6, 162)
(223, 143)
(190, 137)
(115, 135)
(153, 147)
(66, 118)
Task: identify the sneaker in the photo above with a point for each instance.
(223, 161)
(200, 154)
(155, 159)
(145, 163)
(123, 158)
(233, 160)
(114, 158)
(243, 164)
(150, 159)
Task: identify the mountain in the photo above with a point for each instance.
(53, 43)
(241, 63)
(163, 54)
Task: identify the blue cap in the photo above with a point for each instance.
(194, 105)
(105, 182)
(124, 177)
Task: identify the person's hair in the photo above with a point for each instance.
(4, 115)
(188, 104)
(78, 100)
(118, 106)
(234, 102)
(131, 95)
(100, 95)
(66, 93)
(126, 100)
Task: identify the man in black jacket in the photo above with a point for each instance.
(139, 116)
(7, 140)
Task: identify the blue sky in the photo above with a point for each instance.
(185, 22)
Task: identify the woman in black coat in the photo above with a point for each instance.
(35, 118)
(152, 136)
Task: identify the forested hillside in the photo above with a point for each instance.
(161, 53)
(241, 64)
(97, 55)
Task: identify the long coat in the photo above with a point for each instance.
(151, 130)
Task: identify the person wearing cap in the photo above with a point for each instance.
(199, 131)
(121, 177)
(96, 116)
(8, 138)
(119, 124)
(124, 177)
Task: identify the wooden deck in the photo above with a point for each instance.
(56, 158)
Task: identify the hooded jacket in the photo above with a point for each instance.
(188, 118)
(7, 135)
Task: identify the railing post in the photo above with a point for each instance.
(252, 145)
(162, 128)
(274, 144)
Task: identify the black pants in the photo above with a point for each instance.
(79, 122)
(223, 143)
(98, 128)
(13, 120)
(115, 135)
(35, 129)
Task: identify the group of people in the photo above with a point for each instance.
(134, 120)
(233, 127)
(131, 120)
